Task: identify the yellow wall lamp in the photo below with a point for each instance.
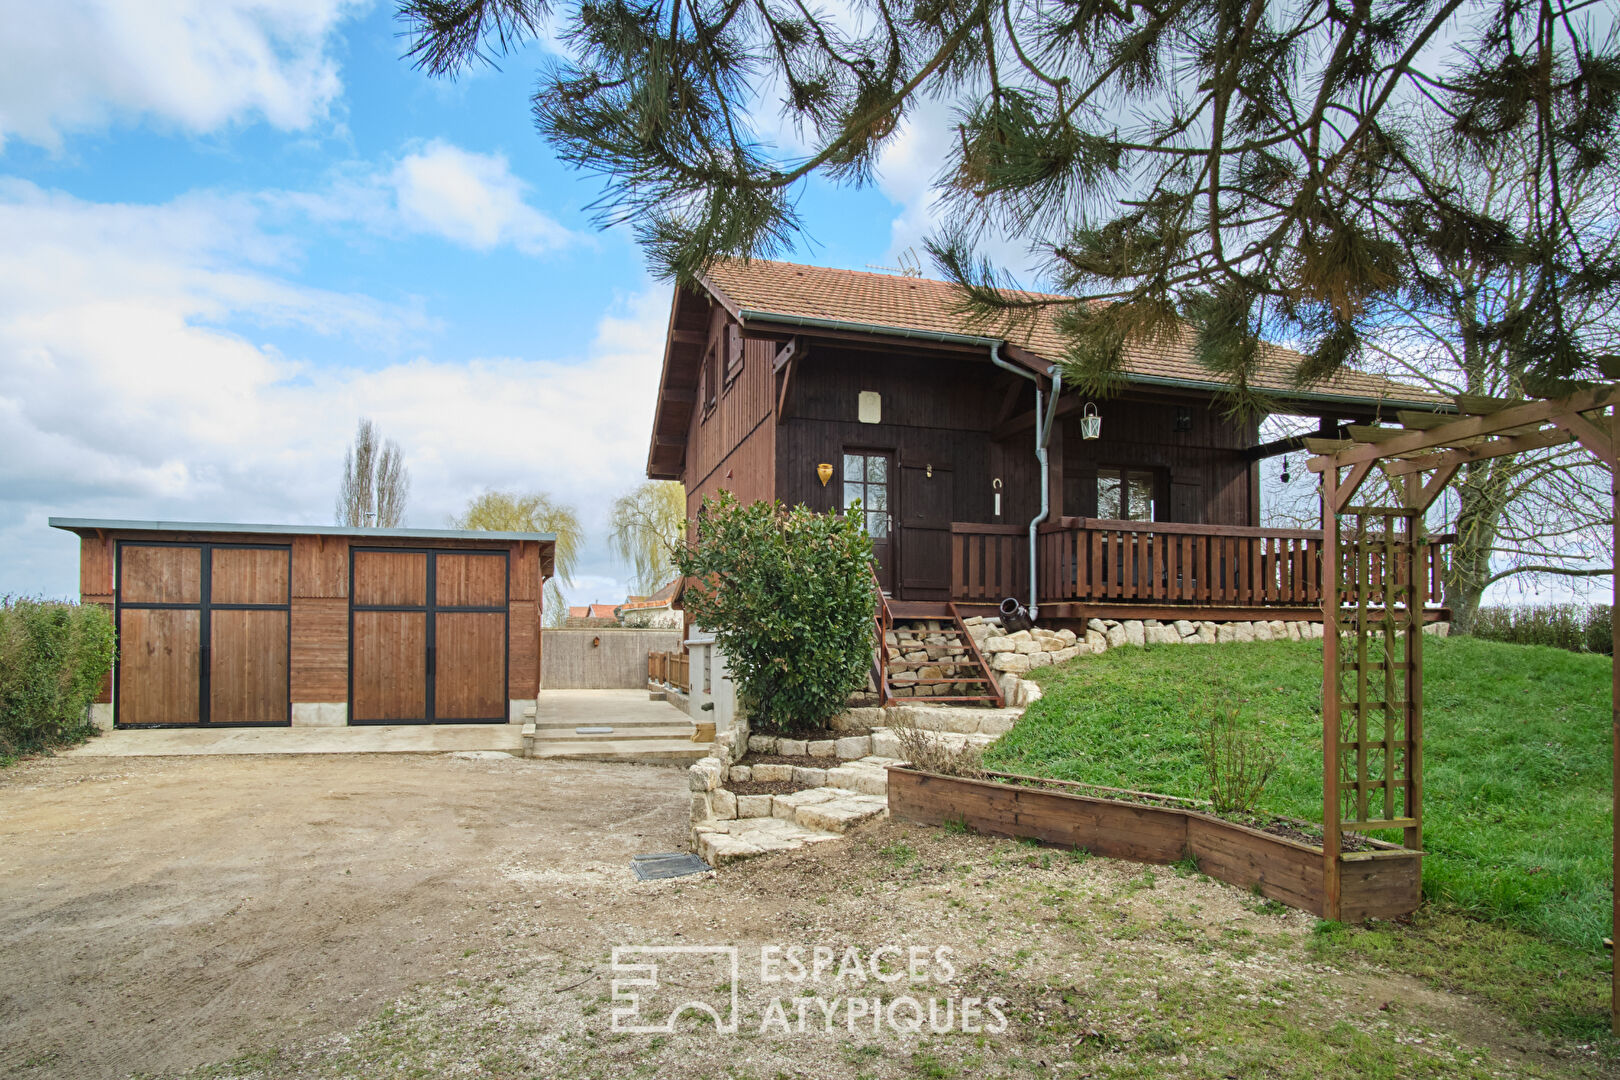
(825, 471)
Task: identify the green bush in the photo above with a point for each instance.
(53, 659)
(1576, 627)
(788, 595)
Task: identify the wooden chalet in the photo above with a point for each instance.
(961, 447)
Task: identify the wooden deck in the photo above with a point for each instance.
(1096, 565)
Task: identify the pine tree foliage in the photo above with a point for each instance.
(1245, 164)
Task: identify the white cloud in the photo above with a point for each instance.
(196, 65)
(124, 394)
(439, 189)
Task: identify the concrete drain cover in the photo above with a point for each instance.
(674, 864)
(593, 731)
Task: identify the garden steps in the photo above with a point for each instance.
(653, 750)
(928, 654)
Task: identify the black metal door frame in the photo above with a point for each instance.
(205, 607)
(430, 610)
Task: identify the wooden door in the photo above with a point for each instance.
(927, 498)
(867, 478)
(428, 637)
(469, 634)
(249, 644)
(202, 634)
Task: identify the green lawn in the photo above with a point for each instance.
(1517, 806)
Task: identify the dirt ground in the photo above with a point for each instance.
(385, 917)
(158, 913)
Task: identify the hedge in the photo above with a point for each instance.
(53, 660)
(1576, 627)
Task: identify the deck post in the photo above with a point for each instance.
(1330, 693)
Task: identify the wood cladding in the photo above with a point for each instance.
(95, 566)
(390, 578)
(471, 580)
(320, 649)
(249, 666)
(159, 666)
(249, 576)
(470, 665)
(390, 666)
(320, 566)
(523, 675)
(161, 575)
(275, 610)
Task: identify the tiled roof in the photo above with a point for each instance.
(907, 303)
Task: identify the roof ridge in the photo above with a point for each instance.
(885, 276)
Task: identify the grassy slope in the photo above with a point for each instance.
(1517, 805)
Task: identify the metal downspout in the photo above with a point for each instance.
(1043, 435)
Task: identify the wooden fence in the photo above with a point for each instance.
(1099, 560)
(670, 669)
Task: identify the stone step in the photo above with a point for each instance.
(618, 732)
(722, 842)
(827, 808)
(642, 750)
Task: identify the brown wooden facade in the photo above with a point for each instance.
(267, 626)
(755, 405)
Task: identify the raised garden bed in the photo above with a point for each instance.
(1382, 881)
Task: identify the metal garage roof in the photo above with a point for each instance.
(115, 525)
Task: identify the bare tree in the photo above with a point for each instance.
(1535, 516)
(375, 484)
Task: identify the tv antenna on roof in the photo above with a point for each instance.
(910, 266)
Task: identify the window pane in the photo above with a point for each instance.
(877, 469)
(852, 494)
(877, 498)
(852, 466)
(1108, 494)
(877, 525)
(1142, 486)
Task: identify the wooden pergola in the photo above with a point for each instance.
(1374, 592)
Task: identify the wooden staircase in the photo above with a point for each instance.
(925, 654)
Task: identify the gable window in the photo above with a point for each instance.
(708, 382)
(734, 352)
(1126, 494)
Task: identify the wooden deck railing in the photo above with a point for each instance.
(671, 669)
(1097, 560)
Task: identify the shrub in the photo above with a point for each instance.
(788, 595)
(1576, 627)
(1238, 762)
(925, 751)
(53, 659)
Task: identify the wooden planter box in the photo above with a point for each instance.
(1379, 884)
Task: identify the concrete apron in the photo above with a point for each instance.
(402, 739)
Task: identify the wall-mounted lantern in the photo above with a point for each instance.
(1090, 422)
(825, 471)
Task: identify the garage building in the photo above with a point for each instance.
(277, 625)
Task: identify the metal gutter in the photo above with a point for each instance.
(118, 525)
(1043, 436)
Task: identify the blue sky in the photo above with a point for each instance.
(229, 229)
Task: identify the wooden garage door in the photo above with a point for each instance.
(428, 637)
(203, 635)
